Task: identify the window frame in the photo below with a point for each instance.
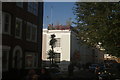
(58, 44)
(34, 26)
(17, 48)
(3, 23)
(33, 57)
(20, 20)
(35, 9)
(30, 25)
(57, 57)
(6, 48)
(31, 32)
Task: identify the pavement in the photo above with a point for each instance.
(78, 75)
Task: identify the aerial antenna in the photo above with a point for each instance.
(51, 15)
(47, 20)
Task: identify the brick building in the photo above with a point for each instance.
(21, 35)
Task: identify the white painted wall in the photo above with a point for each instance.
(64, 48)
(44, 39)
(68, 44)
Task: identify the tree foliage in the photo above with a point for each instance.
(99, 22)
(51, 54)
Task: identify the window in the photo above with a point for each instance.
(6, 22)
(5, 54)
(35, 10)
(30, 5)
(19, 4)
(28, 31)
(34, 33)
(57, 57)
(17, 59)
(18, 27)
(29, 60)
(57, 44)
(31, 32)
(33, 7)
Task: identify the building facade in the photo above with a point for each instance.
(21, 35)
(69, 48)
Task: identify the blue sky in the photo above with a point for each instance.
(58, 12)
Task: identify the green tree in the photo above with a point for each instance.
(99, 22)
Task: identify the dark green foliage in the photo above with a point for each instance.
(99, 22)
(53, 40)
(51, 54)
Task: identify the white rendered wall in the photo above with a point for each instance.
(68, 44)
(64, 48)
(44, 55)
